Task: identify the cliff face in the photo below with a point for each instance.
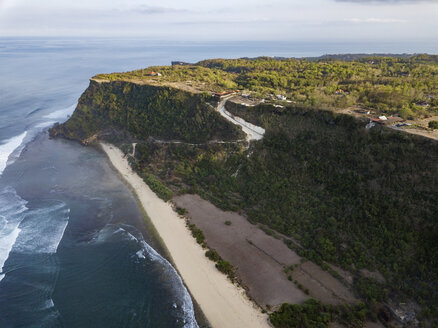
(145, 111)
(354, 197)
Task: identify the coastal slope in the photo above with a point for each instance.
(223, 303)
(352, 197)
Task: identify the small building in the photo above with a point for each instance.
(226, 93)
(363, 111)
(387, 120)
(393, 120)
(400, 125)
(376, 120)
(180, 63)
(339, 92)
(423, 104)
(281, 97)
(153, 74)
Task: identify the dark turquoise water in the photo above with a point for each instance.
(82, 257)
(74, 248)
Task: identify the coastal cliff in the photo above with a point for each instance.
(144, 111)
(359, 201)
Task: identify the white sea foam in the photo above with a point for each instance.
(6, 244)
(42, 230)
(140, 254)
(61, 114)
(187, 304)
(7, 147)
(12, 212)
(147, 251)
(44, 124)
(48, 304)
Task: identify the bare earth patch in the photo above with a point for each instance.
(260, 259)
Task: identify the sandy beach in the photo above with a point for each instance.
(223, 303)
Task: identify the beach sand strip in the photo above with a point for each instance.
(223, 303)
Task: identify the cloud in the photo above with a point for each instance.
(226, 21)
(375, 20)
(153, 10)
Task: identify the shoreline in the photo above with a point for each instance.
(223, 303)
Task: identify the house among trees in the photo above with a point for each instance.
(387, 120)
(281, 97)
(226, 93)
(181, 63)
(153, 74)
(423, 104)
(339, 92)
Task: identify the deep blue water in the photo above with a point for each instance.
(74, 248)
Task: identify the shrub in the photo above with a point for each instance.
(157, 187)
(433, 125)
(212, 255)
(197, 233)
(225, 267)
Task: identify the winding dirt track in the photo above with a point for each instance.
(253, 132)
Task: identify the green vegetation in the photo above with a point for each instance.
(181, 210)
(433, 125)
(212, 255)
(146, 111)
(197, 234)
(389, 85)
(357, 198)
(313, 314)
(371, 290)
(157, 187)
(223, 266)
(354, 197)
(227, 223)
(206, 78)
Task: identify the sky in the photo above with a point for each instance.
(251, 20)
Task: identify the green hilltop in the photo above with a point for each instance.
(342, 193)
(405, 86)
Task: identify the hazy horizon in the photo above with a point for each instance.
(377, 21)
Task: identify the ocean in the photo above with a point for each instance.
(75, 250)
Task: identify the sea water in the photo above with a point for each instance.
(74, 247)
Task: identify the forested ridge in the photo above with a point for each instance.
(353, 197)
(350, 196)
(146, 111)
(405, 86)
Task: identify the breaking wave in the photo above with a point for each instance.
(12, 213)
(61, 114)
(182, 304)
(42, 229)
(8, 147)
(24, 231)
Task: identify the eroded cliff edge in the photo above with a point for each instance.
(144, 110)
(362, 199)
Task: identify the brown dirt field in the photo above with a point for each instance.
(260, 264)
